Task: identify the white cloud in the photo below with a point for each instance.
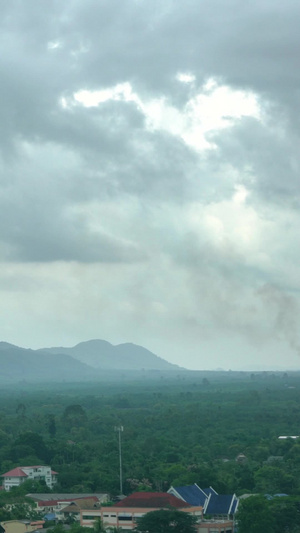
(185, 77)
(212, 107)
(122, 91)
(54, 45)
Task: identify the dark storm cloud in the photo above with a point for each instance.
(37, 226)
(100, 44)
(266, 156)
(252, 45)
(103, 43)
(85, 156)
(87, 186)
(284, 314)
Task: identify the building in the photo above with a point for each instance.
(17, 476)
(124, 514)
(219, 506)
(21, 526)
(72, 510)
(58, 502)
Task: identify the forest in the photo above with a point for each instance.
(212, 428)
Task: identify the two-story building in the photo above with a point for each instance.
(17, 476)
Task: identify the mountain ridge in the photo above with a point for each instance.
(101, 354)
(87, 360)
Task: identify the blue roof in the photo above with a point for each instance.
(209, 491)
(191, 494)
(234, 506)
(220, 504)
(212, 502)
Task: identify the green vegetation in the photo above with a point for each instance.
(177, 430)
(74, 528)
(258, 515)
(166, 521)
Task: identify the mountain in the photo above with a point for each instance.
(18, 364)
(88, 360)
(100, 354)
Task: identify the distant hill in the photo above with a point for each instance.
(100, 354)
(17, 364)
(86, 361)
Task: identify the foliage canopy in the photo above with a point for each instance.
(166, 521)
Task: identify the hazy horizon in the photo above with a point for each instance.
(149, 178)
(247, 368)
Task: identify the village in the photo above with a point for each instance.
(213, 512)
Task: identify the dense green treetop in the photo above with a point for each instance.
(180, 430)
(166, 521)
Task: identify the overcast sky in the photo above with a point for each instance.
(150, 172)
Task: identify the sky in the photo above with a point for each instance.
(149, 178)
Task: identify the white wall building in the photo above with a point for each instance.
(18, 475)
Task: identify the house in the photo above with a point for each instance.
(72, 510)
(18, 475)
(125, 513)
(241, 458)
(221, 507)
(59, 502)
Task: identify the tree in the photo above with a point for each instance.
(58, 528)
(77, 528)
(35, 442)
(286, 512)
(21, 410)
(166, 521)
(30, 486)
(254, 516)
(51, 424)
(273, 479)
(74, 416)
(99, 526)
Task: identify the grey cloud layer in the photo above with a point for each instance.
(103, 185)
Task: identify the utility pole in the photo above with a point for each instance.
(119, 429)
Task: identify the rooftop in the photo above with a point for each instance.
(16, 472)
(156, 500)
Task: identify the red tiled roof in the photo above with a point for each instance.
(16, 472)
(152, 499)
